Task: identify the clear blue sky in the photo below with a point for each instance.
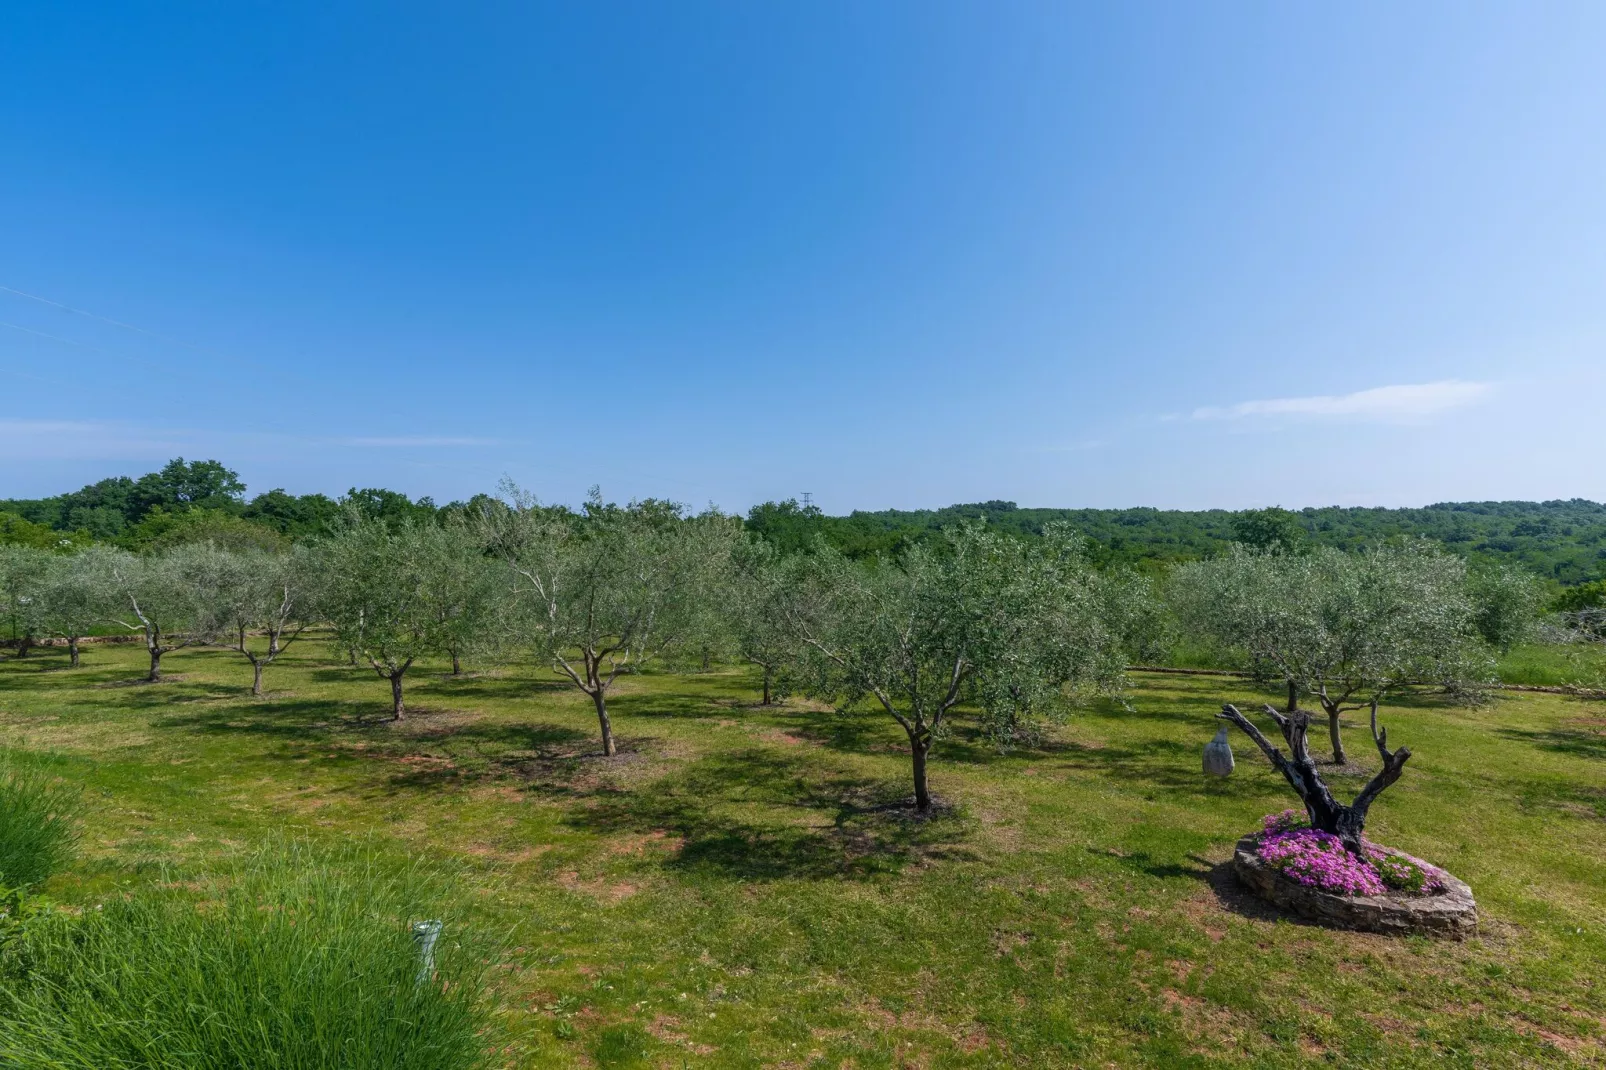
(895, 254)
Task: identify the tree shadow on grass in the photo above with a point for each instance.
(1229, 892)
(854, 732)
(658, 705)
(755, 815)
(433, 746)
(1161, 763)
(173, 689)
(546, 759)
(487, 685)
(1577, 742)
(47, 672)
(310, 720)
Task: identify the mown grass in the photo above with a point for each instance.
(741, 887)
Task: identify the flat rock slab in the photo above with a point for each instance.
(1451, 914)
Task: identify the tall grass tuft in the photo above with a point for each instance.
(38, 823)
(298, 961)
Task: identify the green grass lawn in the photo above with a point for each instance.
(741, 888)
(1553, 665)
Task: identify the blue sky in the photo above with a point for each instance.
(894, 254)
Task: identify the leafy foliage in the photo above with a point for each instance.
(1348, 624)
(383, 588)
(1272, 530)
(1561, 541)
(192, 501)
(22, 577)
(1346, 628)
(16, 530)
(760, 606)
(1506, 603)
(602, 591)
(159, 596)
(999, 621)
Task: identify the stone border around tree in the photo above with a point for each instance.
(1452, 914)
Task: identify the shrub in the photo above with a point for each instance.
(299, 961)
(38, 824)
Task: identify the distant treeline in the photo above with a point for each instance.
(1562, 541)
(191, 501)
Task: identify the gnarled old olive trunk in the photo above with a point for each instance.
(1347, 822)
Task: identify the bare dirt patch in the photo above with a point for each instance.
(598, 888)
(656, 841)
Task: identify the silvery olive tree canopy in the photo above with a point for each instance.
(983, 618)
(1342, 627)
(379, 587)
(603, 590)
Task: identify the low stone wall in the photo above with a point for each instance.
(88, 640)
(1452, 914)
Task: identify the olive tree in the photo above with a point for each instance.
(600, 592)
(1347, 821)
(159, 596)
(1003, 623)
(1345, 628)
(379, 588)
(1506, 600)
(255, 602)
(75, 595)
(22, 577)
(759, 608)
(466, 592)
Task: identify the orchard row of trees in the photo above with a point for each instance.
(205, 501)
(1013, 630)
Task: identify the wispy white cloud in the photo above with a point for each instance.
(47, 427)
(79, 439)
(404, 441)
(63, 439)
(1403, 403)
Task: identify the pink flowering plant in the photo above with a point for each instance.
(1318, 860)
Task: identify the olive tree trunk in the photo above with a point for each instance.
(599, 698)
(1339, 757)
(918, 749)
(1347, 822)
(394, 672)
